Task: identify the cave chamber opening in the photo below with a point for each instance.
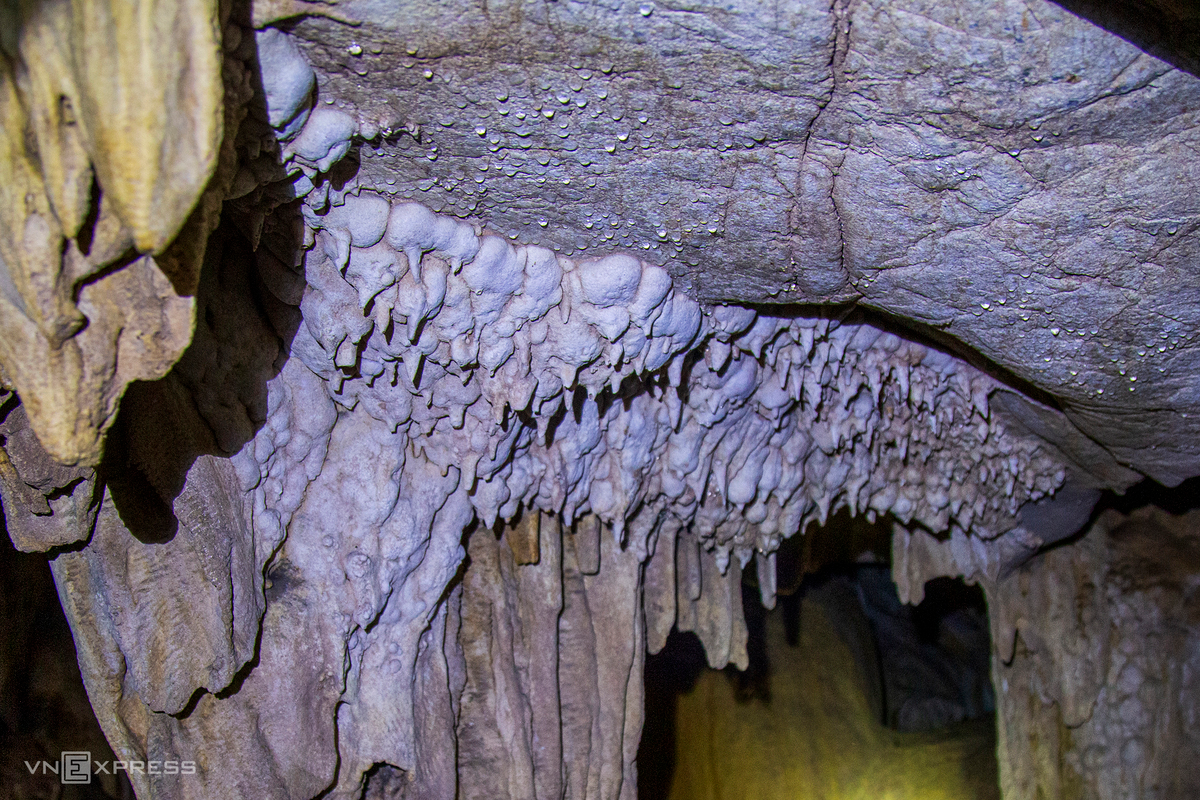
(849, 693)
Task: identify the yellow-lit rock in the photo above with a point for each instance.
(817, 738)
(112, 122)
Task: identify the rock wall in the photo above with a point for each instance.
(112, 171)
(522, 392)
(405, 515)
(1095, 657)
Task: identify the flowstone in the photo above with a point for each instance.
(478, 405)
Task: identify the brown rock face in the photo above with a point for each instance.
(113, 116)
(464, 352)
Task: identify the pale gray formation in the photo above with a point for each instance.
(531, 325)
(1095, 656)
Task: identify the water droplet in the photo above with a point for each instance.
(428, 74)
(354, 49)
(479, 129)
(646, 9)
(543, 221)
(548, 113)
(986, 306)
(622, 137)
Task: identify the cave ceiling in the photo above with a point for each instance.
(1008, 176)
(640, 288)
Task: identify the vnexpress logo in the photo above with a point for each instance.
(73, 767)
(76, 766)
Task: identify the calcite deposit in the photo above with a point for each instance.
(525, 329)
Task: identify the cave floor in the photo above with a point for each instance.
(816, 736)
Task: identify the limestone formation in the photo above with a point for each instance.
(113, 118)
(477, 348)
(1095, 655)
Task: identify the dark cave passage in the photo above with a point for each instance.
(44, 709)
(849, 692)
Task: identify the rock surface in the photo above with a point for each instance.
(817, 736)
(113, 116)
(1014, 178)
(1094, 659)
(528, 327)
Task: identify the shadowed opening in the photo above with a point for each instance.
(849, 692)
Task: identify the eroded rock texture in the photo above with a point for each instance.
(113, 116)
(516, 346)
(1009, 175)
(1095, 658)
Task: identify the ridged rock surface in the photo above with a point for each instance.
(528, 328)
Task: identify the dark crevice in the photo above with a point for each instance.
(1166, 29)
(87, 231)
(44, 707)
